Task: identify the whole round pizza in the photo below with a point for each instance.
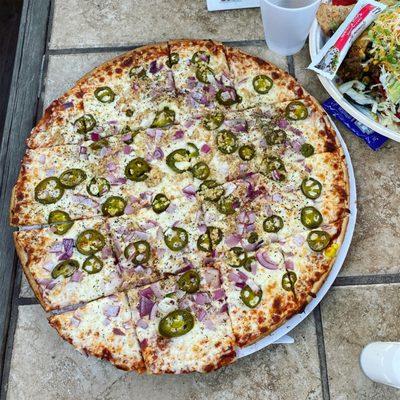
(180, 201)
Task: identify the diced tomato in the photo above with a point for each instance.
(343, 2)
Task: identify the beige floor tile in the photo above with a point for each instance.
(44, 367)
(25, 290)
(95, 23)
(353, 317)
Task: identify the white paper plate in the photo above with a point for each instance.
(296, 319)
(317, 40)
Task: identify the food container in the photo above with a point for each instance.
(317, 40)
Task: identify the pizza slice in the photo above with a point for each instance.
(103, 328)
(259, 82)
(182, 324)
(268, 285)
(201, 74)
(69, 262)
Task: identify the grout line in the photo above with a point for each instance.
(367, 280)
(290, 64)
(12, 325)
(323, 369)
(109, 49)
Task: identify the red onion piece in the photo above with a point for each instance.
(265, 260)
(111, 311)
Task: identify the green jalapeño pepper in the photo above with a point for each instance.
(137, 72)
(200, 57)
(227, 142)
(262, 84)
(275, 136)
(236, 257)
(310, 217)
(247, 152)
(227, 205)
(210, 239)
(85, 124)
(179, 160)
(273, 224)
(311, 188)
(307, 150)
(211, 190)
(203, 72)
(296, 111)
(248, 262)
(104, 94)
(72, 178)
(137, 169)
(138, 252)
(275, 168)
(90, 242)
(92, 265)
(98, 187)
(61, 220)
(127, 130)
(189, 282)
(65, 269)
(160, 203)
(253, 237)
(213, 121)
(173, 59)
(114, 206)
(289, 280)
(100, 144)
(176, 239)
(227, 96)
(249, 297)
(318, 240)
(200, 170)
(49, 190)
(176, 323)
(163, 118)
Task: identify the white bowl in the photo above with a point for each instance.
(317, 40)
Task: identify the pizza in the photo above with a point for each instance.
(180, 201)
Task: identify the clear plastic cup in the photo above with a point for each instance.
(287, 23)
(380, 361)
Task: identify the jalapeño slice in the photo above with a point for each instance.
(237, 257)
(307, 150)
(92, 265)
(114, 206)
(227, 142)
(62, 222)
(208, 240)
(49, 190)
(173, 59)
(98, 186)
(100, 144)
(203, 72)
(227, 96)
(65, 269)
(137, 72)
(275, 168)
(163, 118)
(176, 323)
(296, 111)
(247, 152)
(90, 242)
(311, 188)
(227, 205)
(273, 224)
(318, 240)
(137, 169)
(200, 57)
(200, 170)
(72, 177)
(104, 94)
(310, 217)
(262, 84)
(248, 262)
(253, 237)
(179, 160)
(211, 190)
(176, 239)
(289, 280)
(85, 124)
(138, 252)
(128, 134)
(275, 136)
(189, 282)
(213, 121)
(249, 297)
(160, 203)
